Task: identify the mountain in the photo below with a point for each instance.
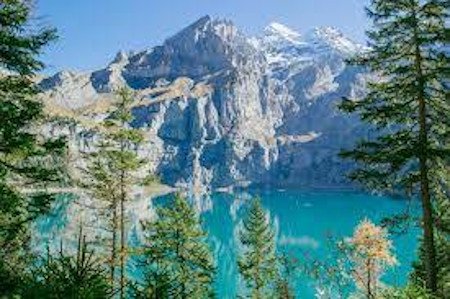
(222, 109)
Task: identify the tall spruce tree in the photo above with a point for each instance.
(101, 184)
(111, 174)
(257, 264)
(27, 159)
(177, 262)
(408, 103)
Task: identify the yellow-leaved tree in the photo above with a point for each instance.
(371, 256)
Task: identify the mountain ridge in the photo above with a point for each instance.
(223, 108)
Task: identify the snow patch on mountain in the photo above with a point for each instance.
(279, 32)
(324, 39)
(222, 109)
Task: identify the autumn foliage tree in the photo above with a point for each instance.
(370, 255)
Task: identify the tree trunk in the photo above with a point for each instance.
(114, 242)
(369, 280)
(122, 242)
(427, 208)
(122, 226)
(428, 222)
(122, 249)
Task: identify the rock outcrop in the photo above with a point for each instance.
(222, 109)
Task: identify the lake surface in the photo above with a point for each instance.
(302, 222)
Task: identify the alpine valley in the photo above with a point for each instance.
(221, 109)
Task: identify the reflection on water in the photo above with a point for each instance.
(302, 221)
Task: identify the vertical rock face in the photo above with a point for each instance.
(221, 109)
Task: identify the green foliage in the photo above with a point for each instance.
(441, 188)
(408, 104)
(177, 260)
(157, 284)
(257, 263)
(401, 31)
(23, 46)
(442, 244)
(150, 180)
(101, 183)
(287, 267)
(333, 274)
(27, 159)
(411, 291)
(120, 142)
(62, 276)
(354, 266)
(111, 173)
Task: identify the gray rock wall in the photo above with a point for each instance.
(221, 109)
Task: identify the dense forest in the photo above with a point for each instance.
(407, 102)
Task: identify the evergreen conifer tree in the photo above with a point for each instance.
(65, 276)
(178, 262)
(111, 173)
(411, 291)
(408, 103)
(442, 244)
(101, 184)
(257, 264)
(27, 159)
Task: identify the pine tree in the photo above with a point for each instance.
(257, 264)
(65, 276)
(408, 104)
(101, 185)
(411, 291)
(27, 159)
(112, 172)
(156, 284)
(178, 262)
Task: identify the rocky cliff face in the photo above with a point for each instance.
(222, 109)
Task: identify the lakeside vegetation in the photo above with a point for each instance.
(408, 103)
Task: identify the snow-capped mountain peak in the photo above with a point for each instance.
(284, 48)
(280, 31)
(332, 38)
(220, 108)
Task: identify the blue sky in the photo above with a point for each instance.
(92, 31)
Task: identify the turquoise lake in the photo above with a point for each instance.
(302, 222)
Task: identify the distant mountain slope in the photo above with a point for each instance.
(223, 109)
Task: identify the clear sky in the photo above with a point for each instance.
(92, 31)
